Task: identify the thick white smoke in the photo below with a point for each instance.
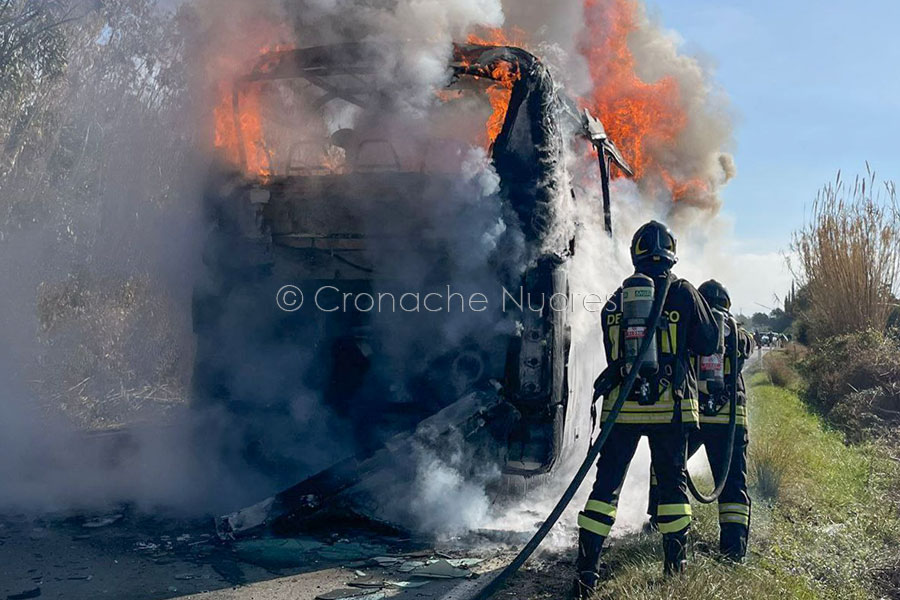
(600, 262)
(163, 467)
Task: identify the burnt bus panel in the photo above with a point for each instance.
(537, 371)
(504, 389)
(342, 204)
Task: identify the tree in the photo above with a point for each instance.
(760, 320)
(98, 133)
(33, 56)
(779, 321)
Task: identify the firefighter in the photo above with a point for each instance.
(734, 502)
(663, 407)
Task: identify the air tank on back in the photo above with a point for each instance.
(637, 302)
(711, 371)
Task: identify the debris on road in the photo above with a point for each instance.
(34, 593)
(464, 563)
(442, 569)
(103, 521)
(370, 582)
(145, 546)
(410, 565)
(406, 584)
(276, 552)
(343, 593)
(293, 552)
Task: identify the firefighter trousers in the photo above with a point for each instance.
(668, 452)
(734, 503)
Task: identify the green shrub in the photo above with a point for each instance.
(854, 380)
(847, 364)
(770, 461)
(779, 369)
(868, 413)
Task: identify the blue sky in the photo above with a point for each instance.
(815, 87)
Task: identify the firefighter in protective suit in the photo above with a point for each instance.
(734, 502)
(663, 407)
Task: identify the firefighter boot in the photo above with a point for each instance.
(590, 547)
(586, 585)
(733, 541)
(675, 551)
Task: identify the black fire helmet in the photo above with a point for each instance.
(653, 248)
(715, 294)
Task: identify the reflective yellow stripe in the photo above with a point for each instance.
(601, 507)
(673, 510)
(673, 336)
(741, 410)
(690, 410)
(593, 526)
(731, 518)
(674, 526)
(614, 341)
(664, 342)
(642, 418)
(723, 420)
(660, 412)
(632, 406)
(740, 421)
(735, 508)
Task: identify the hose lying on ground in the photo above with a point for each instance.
(491, 588)
(732, 425)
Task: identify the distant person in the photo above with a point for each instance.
(662, 406)
(734, 502)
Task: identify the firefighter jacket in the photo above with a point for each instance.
(687, 326)
(733, 377)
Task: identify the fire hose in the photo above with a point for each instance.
(525, 553)
(732, 426)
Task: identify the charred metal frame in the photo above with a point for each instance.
(532, 190)
(528, 152)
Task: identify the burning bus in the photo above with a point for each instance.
(328, 187)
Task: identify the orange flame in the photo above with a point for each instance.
(500, 92)
(643, 119)
(499, 95)
(240, 137)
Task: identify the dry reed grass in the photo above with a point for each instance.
(848, 256)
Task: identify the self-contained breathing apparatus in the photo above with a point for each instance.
(625, 374)
(711, 381)
(637, 301)
(653, 248)
(638, 294)
(711, 372)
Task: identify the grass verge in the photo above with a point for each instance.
(826, 519)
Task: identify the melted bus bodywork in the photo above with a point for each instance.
(503, 393)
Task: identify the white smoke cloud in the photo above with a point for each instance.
(164, 470)
(601, 262)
